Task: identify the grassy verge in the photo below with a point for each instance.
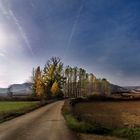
(129, 133)
(10, 110)
(83, 126)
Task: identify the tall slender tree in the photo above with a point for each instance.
(38, 85)
(105, 87)
(67, 85)
(75, 76)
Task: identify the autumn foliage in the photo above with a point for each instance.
(54, 80)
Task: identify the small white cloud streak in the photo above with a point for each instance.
(32, 4)
(9, 14)
(21, 31)
(11, 49)
(3, 10)
(74, 27)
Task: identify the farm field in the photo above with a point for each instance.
(110, 114)
(12, 109)
(12, 106)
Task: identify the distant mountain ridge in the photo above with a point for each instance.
(3, 92)
(118, 89)
(134, 89)
(126, 89)
(24, 89)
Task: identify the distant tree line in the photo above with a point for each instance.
(56, 81)
(80, 83)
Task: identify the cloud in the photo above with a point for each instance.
(21, 31)
(101, 36)
(74, 26)
(10, 15)
(3, 10)
(2, 54)
(9, 42)
(15, 65)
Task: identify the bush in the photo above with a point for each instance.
(76, 100)
(77, 126)
(84, 127)
(130, 133)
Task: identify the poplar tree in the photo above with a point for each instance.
(38, 86)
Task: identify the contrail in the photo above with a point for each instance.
(74, 27)
(4, 11)
(32, 4)
(9, 13)
(21, 31)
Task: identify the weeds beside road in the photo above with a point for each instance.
(105, 118)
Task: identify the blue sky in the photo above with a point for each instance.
(102, 36)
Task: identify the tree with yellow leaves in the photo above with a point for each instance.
(38, 86)
(53, 77)
(55, 89)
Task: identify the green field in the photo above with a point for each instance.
(9, 110)
(12, 106)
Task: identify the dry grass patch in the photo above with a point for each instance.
(110, 114)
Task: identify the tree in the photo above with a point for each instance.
(67, 81)
(52, 75)
(55, 89)
(38, 86)
(96, 84)
(73, 82)
(86, 84)
(105, 90)
(91, 83)
(75, 76)
(83, 77)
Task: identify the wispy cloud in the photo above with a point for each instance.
(2, 54)
(32, 4)
(3, 10)
(21, 31)
(74, 26)
(10, 14)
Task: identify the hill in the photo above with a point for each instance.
(24, 89)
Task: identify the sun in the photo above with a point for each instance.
(7, 38)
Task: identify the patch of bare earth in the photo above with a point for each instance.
(110, 114)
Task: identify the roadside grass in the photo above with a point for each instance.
(129, 133)
(82, 125)
(77, 126)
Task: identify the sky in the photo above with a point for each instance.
(101, 36)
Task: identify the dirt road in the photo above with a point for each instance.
(45, 123)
